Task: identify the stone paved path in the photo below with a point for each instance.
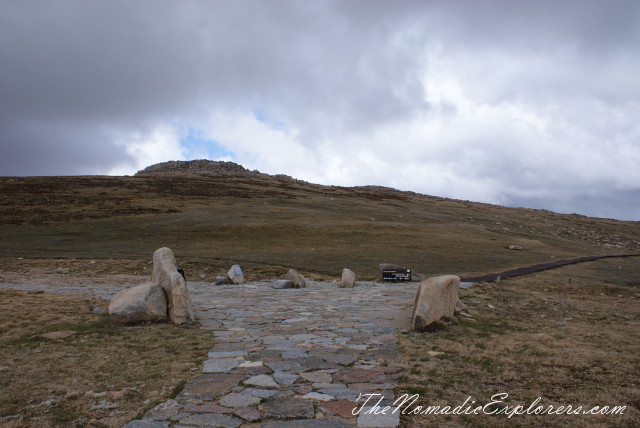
(291, 357)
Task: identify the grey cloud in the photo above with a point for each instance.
(76, 74)
(56, 148)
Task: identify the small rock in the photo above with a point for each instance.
(515, 247)
(222, 280)
(434, 353)
(235, 274)
(348, 278)
(282, 283)
(104, 405)
(298, 280)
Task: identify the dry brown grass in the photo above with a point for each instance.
(517, 347)
(61, 365)
(270, 225)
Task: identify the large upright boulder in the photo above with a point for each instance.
(437, 298)
(165, 273)
(146, 302)
(298, 280)
(235, 274)
(348, 278)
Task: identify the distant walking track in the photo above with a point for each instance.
(537, 268)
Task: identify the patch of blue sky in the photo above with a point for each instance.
(263, 116)
(197, 146)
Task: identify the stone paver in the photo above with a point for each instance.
(371, 417)
(287, 358)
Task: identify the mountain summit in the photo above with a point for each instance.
(200, 166)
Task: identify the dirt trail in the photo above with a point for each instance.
(539, 267)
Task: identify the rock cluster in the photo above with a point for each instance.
(436, 298)
(166, 297)
(282, 283)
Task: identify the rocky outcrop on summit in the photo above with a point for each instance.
(213, 168)
(201, 166)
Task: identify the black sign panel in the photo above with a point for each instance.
(396, 274)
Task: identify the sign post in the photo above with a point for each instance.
(396, 275)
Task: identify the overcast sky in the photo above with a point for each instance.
(518, 103)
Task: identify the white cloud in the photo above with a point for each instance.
(160, 144)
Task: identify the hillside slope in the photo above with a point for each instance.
(213, 214)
